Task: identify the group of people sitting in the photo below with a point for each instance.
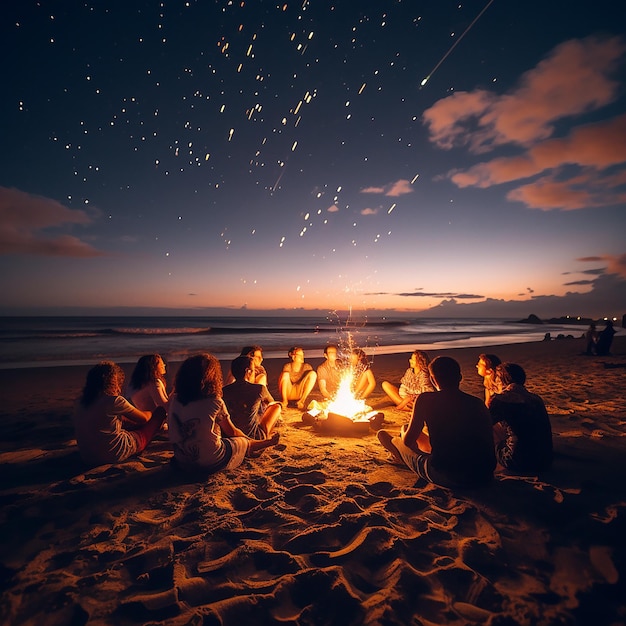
(452, 438)
(114, 422)
(456, 440)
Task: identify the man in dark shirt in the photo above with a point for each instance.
(250, 405)
(449, 439)
(522, 427)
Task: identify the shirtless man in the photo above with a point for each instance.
(456, 449)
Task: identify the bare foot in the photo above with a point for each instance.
(385, 439)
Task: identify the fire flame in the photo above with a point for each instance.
(344, 402)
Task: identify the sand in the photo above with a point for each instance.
(321, 529)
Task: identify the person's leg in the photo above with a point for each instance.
(385, 439)
(146, 433)
(414, 461)
(285, 388)
(307, 384)
(270, 417)
(392, 392)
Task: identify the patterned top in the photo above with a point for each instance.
(413, 384)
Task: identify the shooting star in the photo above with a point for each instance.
(454, 45)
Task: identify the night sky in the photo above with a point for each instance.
(370, 155)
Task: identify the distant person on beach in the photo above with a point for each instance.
(364, 381)
(329, 373)
(449, 439)
(200, 429)
(605, 339)
(109, 429)
(486, 367)
(297, 379)
(591, 338)
(250, 405)
(416, 380)
(260, 375)
(522, 430)
(147, 386)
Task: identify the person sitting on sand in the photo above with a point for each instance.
(329, 373)
(591, 339)
(297, 379)
(200, 429)
(364, 381)
(522, 430)
(456, 447)
(260, 374)
(416, 380)
(486, 367)
(146, 389)
(605, 339)
(251, 406)
(109, 429)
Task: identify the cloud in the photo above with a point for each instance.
(369, 211)
(398, 188)
(333, 208)
(616, 265)
(425, 294)
(572, 170)
(587, 190)
(596, 146)
(573, 79)
(23, 217)
(579, 282)
(605, 298)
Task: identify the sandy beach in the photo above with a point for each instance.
(321, 529)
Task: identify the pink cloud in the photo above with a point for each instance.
(398, 188)
(587, 190)
(573, 79)
(333, 208)
(615, 264)
(600, 145)
(369, 211)
(22, 218)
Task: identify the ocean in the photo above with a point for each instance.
(59, 341)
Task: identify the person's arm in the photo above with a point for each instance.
(321, 383)
(229, 429)
(406, 402)
(158, 393)
(131, 416)
(226, 424)
(414, 436)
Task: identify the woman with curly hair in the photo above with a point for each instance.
(416, 380)
(200, 429)
(486, 367)
(147, 386)
(109, 429)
